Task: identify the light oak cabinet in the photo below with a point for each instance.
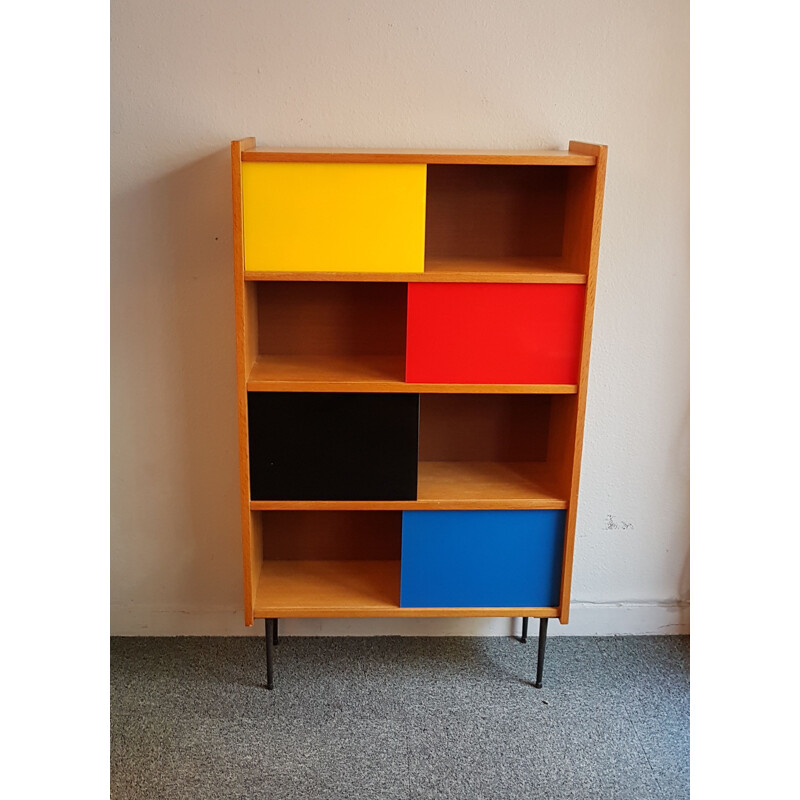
(413, 333)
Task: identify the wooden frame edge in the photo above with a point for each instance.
(600, 151)
(293, 612)
(567, 158)
(237, 148)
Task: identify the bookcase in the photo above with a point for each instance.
(413, 332)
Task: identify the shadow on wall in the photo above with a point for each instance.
(175, 383)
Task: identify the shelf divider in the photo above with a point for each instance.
(549, 269)
(455, 486)
(366, 373)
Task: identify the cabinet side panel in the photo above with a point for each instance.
(585, 245)
(256, 552)
(561, 442)
(246, 347)
(580, 198)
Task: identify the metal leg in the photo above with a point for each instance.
(275, 633)
(269, 628)
(524, 637)
(540, 657)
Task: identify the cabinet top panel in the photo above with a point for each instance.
(354, 156)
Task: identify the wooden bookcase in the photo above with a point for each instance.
(413, 333)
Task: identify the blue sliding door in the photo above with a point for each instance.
(481, 559)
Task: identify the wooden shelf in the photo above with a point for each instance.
(325, 373)
(566, 158)
(481, 484)
(549, 269)
(543, 269)
(328, 589)
(365, 373)
(350, 589)
(455, 485)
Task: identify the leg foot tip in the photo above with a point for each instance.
(537, 685)
(523, 640)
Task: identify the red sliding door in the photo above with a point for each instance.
(494, 333)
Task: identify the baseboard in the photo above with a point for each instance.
(586, 619)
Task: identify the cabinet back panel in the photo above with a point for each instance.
(492, 211)
(331, 535)
(483, 427)
(331, 319)
(561, 442)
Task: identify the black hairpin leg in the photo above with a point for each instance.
(269, 628)
(540, 657)
(524, 637)
(275, 632)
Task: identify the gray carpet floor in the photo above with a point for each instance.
(397, 717)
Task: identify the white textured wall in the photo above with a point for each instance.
(188, 77)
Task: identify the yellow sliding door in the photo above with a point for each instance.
(308, 217)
